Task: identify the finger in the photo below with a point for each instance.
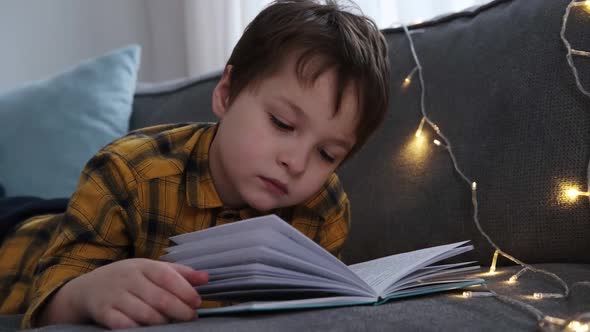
(168, 278)
(139, 311)
(194, 277)
(115, 319)
(165, 302)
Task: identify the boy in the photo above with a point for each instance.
(303, 89)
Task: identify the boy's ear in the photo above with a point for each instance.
(221, 94)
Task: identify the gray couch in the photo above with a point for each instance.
(498, 85)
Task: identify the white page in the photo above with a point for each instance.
(431, 277)
(264, 222)
(448, 254)
(263, 282)
(446, 266)
(264, 255)
(262, 270)
(434, 269)
(439, 284)
(269, 294)
(275, 223)
(292, 304)
(382, 272)
(435, 288)
(267, 237)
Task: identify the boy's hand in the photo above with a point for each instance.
(128, 293)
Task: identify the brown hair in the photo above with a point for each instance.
(352, 44)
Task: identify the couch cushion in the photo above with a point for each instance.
(499, 87)
(498, 84)
(50, 128)
(439, 312)
(185, 100)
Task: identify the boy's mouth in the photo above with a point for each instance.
(275, 185)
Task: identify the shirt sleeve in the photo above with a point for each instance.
(96, 229)
(334, 230)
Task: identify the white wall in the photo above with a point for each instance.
(40, 38)
(179, 38)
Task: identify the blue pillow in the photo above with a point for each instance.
(49, 129)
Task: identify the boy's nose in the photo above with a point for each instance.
(294, 160)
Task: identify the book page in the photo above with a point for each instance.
(286, 305)
(258, 269)
(382, 272)
(428, 283)
(257, 282)
(431, 288)
(271, 222)
(268, 256)
(314, 254)
(446, 276)
(432, 271)
(250, 238)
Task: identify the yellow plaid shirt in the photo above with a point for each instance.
(132, 196)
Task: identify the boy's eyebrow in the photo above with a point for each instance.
(342, 142)
(293, 106)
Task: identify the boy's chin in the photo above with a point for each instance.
(263, 203)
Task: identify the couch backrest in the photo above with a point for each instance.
(499, 87)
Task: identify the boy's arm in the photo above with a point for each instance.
(97, 228)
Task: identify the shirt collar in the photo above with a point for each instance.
(200, 189)
(328, 199)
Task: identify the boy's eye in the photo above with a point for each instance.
(326, 156)
(280, 124)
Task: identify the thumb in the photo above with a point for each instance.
(194, 277)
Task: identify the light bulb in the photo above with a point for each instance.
(419, 131)
(573, 193)
(494, 260)
(437, 142)
(540, 296)
(470, 294)
(577, 326)
(515, 277)
(407, 81)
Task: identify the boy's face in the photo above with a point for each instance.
(277, 144)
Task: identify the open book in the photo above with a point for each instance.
(266, 264)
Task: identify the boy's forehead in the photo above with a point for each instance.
(317, 72)
(291, 81)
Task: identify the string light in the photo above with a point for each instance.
(571, 51)
(470, 294)
(408, 79)
(494, 258)
(576, 325)
(515, 277)
(540, 296)
(551, 323)
(419, 131)
(572, 193)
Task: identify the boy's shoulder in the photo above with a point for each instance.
(331, 200)
(161, 150)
